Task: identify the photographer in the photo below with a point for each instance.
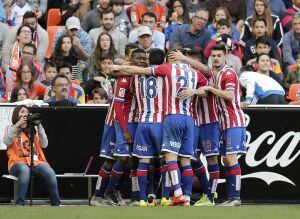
(17, 139)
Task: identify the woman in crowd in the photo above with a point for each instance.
(177, 15)
(25, 79)
(222, 13)
(65, 52)
(24, 36)
(18, 94)
(17, 139)
(262, 10)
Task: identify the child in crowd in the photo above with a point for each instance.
(17, 10)
(99, 96)
(122, 21)
(50, 70)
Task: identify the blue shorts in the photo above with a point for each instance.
(108, 142)
(233, 141)
(209, 139)
(196, 137)
(148, 140)
(178, 135)
(122, 149)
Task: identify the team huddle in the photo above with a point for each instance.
(161, 118)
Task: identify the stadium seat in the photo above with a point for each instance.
(51, 33)
(294, 93)
(54, 17)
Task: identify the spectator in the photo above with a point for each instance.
(92, 18)
(287, 18)
(149, 19)
(65, 52)
(25, 79)
(18, 94)
(223, 27)
(28, 54)
(102, 78)
(232, 61)
(264, 67)
(291, 42)
(274, 28)
(194, 5)
(293, 76)
(236, 8)
(105, 46)
(261, 89)
(75, 91)
(50, 70)
(259, 30)
(262, 45)
(80, 39)
(222, 13)
(68, 10)
(17, 11)
(4, 29)
(177, 15)
(142, 6)
(194, 34)
(39, 7)
(145, 38)
(122, 22)
(17, 139)
(61, 88)
(40, 39)
(24, 36)
(107, 20)
(277, 7)
(99, 96)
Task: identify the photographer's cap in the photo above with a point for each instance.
(144, 30)
(73, 23)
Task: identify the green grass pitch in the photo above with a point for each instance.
(86, 212)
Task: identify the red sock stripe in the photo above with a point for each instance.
(142, 173)
(214, 175)
(173, 167)
(236, 171)
(114, 173)
(164, 169)
(133, 173)
(200, 170)
(188, 172)
(104, 174)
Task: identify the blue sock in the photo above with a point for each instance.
(103, 178)
(150, 181)
(214, 175)
(187, 179)
(116, 174)
(233, 181)
(166, 184)
(124, 178)
(175, 177)
(200, 173)
(142, 173)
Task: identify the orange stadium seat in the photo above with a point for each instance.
(54, 17)
(294, 94)
(51, 30)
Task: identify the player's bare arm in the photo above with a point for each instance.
(188, 92)
(227, 95)
(130, 69)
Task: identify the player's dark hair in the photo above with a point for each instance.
(129, 47)
(223, 22)
(156, 56)
(219, 47)
(64, 65)
(263, 40)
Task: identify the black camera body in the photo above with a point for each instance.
(34, 119)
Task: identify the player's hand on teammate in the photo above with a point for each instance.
(114, 68)
(206, 88)
(186, 93)
(176, 55)
(127, 137)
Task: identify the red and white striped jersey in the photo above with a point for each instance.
(177, 77)
(230, 112)
(150, 99)
(110, 116)
(124, 94)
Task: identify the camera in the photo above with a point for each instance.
(34, 119)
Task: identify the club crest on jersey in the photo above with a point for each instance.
(228, 142)
(121, 92)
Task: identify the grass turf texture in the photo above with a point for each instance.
(86, 212)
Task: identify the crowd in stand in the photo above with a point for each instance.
(93, 33)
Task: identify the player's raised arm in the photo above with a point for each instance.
(178, 56)
(130, 69)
